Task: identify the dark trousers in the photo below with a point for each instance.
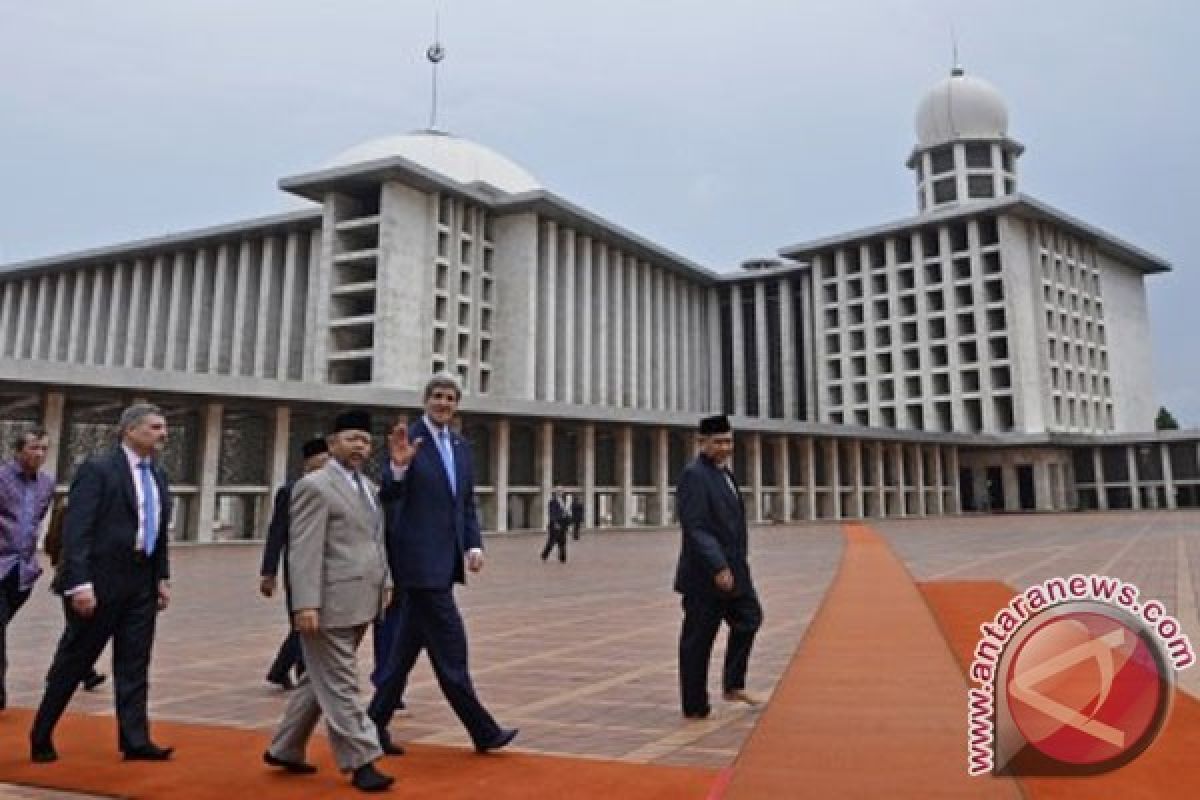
(431, 620)
(702, 616)
(575, 525)
(390, 655)
(126, 611)
(556, 536)
(288, 656)
(11, 600)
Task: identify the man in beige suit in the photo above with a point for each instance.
(340, 582)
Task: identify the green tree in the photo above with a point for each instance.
(1165, 421)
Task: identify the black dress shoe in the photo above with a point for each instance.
(150, 752)
(94, 680)
(283, 681)
(42, 752)
(698, 714)
(390, 748)
(503, 739)
(368, 779)
(294, 767)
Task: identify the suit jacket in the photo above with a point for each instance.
(275, 548)
(430, 528)
(714, 530)
(101, 524)
(336, 560)
(556, 515)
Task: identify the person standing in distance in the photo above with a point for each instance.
(339, 581)
(114, 578)
(433, 528)
(25, 495)
(314, 453)
(557, 521)
(713, 573)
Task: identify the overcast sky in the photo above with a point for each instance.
(722, 131)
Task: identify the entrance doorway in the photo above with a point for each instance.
(1026, 492)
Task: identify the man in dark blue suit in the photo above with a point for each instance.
(713, 574)
(315, 453)
(432, 529)
(114, 581)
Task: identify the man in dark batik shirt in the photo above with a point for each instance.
(25, 495)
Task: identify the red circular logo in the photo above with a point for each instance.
(1086, 688)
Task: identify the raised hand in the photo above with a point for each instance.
(402, 450)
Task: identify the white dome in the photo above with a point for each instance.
(961, 107)
(458, 159)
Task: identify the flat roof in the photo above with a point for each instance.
(1019, 204)
(281, 222)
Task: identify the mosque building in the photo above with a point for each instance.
(988, 353)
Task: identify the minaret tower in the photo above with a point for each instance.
(963, 151)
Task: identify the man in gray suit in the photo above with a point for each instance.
(340, 581)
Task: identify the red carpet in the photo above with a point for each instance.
(214, 763)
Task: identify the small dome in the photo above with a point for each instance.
(961, 107)
(458, 159)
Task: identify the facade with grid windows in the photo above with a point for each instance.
(989, 352)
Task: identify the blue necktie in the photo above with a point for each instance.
(150, 511)
(447, 458)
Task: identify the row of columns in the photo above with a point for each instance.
(1134, 482)
(862, 500)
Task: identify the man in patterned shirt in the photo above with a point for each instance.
(25, 495)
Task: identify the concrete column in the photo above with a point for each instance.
(832, 450)
(1135, 493)
(283, 366)
(600, 357)
(662, 478)
(76, 336)
(878, 454)
(783, 479)
(616, 353)
(585, 329)
(1008, 477)
(589, 475)
(200, 273)
(754, 458)
(715, 399)
(810, 478)
(58, 321)
(939, 498)
(669, 344)
(762, 353)
(205, 509)
(500, 455)
(625, 474)
(545, 468)
(1098, 470)
(901, 483)
(278, 462)
(919, 478)
(1043, 488)
(218, 323)
(566, 319)
(858, 502)
(1168, 476)
(54, 421)
(117, 299)
(266, 274)
(787, 346)
(738, 339)
(955, 484)
(549, 310)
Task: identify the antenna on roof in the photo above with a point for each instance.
(435, 53)
(956, 67)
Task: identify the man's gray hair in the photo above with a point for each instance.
(444, 380)
(135, 414)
